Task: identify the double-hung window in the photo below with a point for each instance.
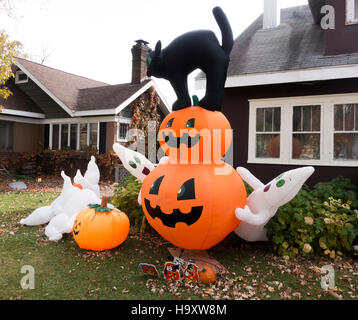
(315, 130)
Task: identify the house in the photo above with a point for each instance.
(291, 93)
(54, 109)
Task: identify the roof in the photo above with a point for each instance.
(298, 43)
(80, 94)
(62, 84)
(106, 97)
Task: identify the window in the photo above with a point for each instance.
(351, 11)
(6, 136)
(21, 77)
(346, 132)
(122, 131)
(75, 136)
(64, 136)
(83, 136)
(93, 135)
(268, 122)
(315, 130)
(306, 132)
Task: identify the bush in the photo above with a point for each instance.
(322, 220)
(125, 198)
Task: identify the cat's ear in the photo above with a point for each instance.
(158, 48)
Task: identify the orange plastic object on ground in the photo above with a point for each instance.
(193, 206)
(100, 228)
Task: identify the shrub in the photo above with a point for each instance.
(322, 220)
(125, 198)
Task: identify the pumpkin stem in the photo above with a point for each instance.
(195, 101)
(104, 201)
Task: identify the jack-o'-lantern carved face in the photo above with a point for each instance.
(190, 206)
(195, 135)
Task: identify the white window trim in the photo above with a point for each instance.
(350, 11)
(119, 121)
(327, 103)
(19, 73)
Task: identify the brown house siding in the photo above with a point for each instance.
(28, 137)
(342, 39)
(236, 109)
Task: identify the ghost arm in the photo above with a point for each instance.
(255, 219)
(249, 178)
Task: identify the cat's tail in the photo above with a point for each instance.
(226, 32)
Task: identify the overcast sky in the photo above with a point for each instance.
(93, 38)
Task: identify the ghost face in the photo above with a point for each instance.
(284, 188)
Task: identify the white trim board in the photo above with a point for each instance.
(291, 76)
(327, 131)
(23, 113)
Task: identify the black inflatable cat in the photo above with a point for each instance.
(192, 50)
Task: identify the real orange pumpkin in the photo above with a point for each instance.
(195, 135)
(193, 206)
(99, 227)
(207, 275)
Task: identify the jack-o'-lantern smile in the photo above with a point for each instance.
(186, 139)
(186, 192)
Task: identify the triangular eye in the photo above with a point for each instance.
(149, 61)
(187, 190)
(190, 123)
(170, 123)
(137, 159)
(154, 189)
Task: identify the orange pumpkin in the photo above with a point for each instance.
(99, 228)
(195, 135)
(207, 275)
(193, 206)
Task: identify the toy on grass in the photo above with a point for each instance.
(191, 272)
(192, 50)
(149, 269)
(61, 214)
(99, 228)
(172, 271)
(207, 275)
(265, 200)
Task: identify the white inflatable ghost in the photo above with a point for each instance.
(60, 215)
(264, 201)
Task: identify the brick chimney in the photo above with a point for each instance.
(139, 61)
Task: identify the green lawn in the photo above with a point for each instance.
(64, 271)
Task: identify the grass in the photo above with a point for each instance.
(64, 271)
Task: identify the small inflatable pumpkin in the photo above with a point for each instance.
(99, 227)
(195, 135)
(193, 206)
(207, 275)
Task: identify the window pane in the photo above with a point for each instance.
(73, 138)
(93, 135)
(64, 136)
(306, 118)
(348, 110)
(6, 136)
(260, 120)
(268, 119)
(55, 136)
(276, 119)
(123, 129)
(338, 117)
(83, 136)
(346, 146)
(306, 146)
(267, 146)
